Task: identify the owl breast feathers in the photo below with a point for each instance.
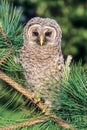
(41, 55)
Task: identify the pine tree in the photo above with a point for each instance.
(18, 108)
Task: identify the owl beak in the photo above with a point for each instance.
(41, 40)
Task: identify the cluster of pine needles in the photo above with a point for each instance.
(18, 108)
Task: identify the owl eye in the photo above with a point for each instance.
(35, 33)
(48, 34)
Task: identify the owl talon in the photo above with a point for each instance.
(46, 110)
(36, 97)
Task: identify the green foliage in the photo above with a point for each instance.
(11, 37)
(72, 98)
(14, 108)
(9, 20)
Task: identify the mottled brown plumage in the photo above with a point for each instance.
(41, 58)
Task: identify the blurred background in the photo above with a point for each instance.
(70, 14)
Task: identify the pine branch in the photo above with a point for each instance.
(73, 97)
(3, 34)
(30, 122)
(20, 89)
(38, 120)
(6, 56)
(61, 123)
(10, 30)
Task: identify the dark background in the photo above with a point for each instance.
(70, 14)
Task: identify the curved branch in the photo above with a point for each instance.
(29, 122)
(62, 123)
(4, 35)
(6, 56)
(22, 90)
(38, 120)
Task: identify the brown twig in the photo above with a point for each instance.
(29, 122)
(62, 123)
(38, 120)
(6, 56)
(4, 35)
(20, 89)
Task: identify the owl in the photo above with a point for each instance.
(41, 56)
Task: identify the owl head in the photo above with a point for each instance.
(42, 32)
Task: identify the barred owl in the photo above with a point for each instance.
(41, 54)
